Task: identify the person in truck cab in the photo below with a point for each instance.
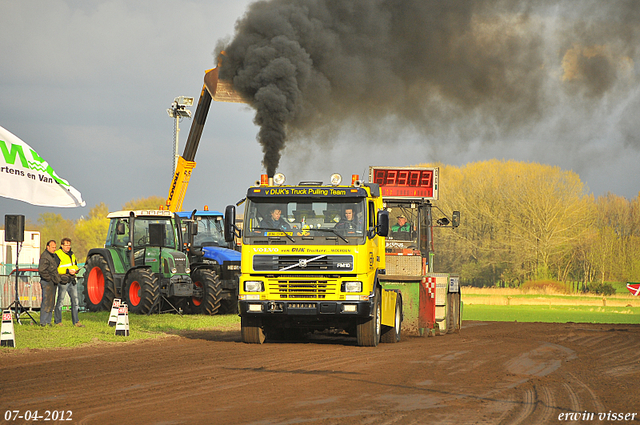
(275, 220)
(348, 222)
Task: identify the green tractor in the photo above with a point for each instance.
(142, 263)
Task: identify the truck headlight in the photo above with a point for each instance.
(352, 286)
(253, 286)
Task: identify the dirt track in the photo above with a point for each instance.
(491, 372)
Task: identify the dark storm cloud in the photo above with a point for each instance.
(479, 68)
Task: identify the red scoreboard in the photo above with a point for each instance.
(406, 182)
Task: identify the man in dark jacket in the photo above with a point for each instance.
(49, 279)
(275, 220)
(349, 222)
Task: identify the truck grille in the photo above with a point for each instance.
(295, 263)
(302, 289)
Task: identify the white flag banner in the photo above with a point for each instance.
(25, 176)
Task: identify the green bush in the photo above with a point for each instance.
(601, 288)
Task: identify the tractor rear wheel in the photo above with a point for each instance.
(251, 330)
(368, 330)
(99, 289)
(141, 291)
(391, 334)
(209, 281)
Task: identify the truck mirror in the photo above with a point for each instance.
(120, 228)
(383, 223)
(229, 223)
(455, 219)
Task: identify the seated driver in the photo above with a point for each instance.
(275, 220)
(402, 229)
(348, 221)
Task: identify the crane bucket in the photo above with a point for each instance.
(221, 90)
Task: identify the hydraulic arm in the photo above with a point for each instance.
(212, 89)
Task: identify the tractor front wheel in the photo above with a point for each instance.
(99, 289)
(141, 291)
(209, 282)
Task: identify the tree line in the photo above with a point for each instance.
(526, 222)
(521, 222)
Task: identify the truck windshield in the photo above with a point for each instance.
(210, 232)
(296, 221)
(403, 227)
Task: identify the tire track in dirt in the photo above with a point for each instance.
(597, 405)
(313, 366)
(489, 373)
(527, 407)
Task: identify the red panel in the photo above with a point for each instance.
(427, 310)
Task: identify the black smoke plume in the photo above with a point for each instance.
(476, 68)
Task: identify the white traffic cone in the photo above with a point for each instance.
(113, 317)
(122, 326)
(8, 336)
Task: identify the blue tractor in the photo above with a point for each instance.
(205, 245)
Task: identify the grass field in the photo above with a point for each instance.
(484, 304)
(551, 313)
(97, 330)
(500, 304)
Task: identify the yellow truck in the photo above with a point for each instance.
(312, 258)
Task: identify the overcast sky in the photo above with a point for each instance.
(87, 83)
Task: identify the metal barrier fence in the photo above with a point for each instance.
(29, 292)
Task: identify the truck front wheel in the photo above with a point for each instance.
(368, 330)
(210, 284)
(99, 289)
(252, 332)
(141, 291)
(391, 334)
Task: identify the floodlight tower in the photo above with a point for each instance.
(178, 111)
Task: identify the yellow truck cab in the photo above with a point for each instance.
(312, 255)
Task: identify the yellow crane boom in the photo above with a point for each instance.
(212, 89)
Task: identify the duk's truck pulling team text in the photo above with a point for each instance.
(314, 257)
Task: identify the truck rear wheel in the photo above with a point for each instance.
(99, 289)
(391, 334)
(453, 312)
(210, 284)
(141, 291)
(252, 332)
(368, 331)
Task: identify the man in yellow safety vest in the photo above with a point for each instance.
(67, 270)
